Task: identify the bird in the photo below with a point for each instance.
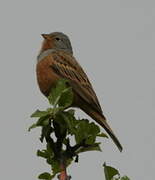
(56, 61)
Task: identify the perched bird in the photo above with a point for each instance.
(56, 61)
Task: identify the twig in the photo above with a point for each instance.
(63, 174)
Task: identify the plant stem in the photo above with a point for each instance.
(63, 174)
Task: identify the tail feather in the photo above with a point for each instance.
(102, 121)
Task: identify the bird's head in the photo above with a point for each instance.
(56, 40)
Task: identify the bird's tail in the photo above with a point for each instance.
(102, 121)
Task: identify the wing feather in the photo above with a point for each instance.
(66, 66)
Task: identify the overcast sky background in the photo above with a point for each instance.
(114, 41)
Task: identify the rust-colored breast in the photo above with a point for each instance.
(45, 76)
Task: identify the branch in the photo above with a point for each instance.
(63, 174)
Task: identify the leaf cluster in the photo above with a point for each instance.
(113, 174)
(58, 125)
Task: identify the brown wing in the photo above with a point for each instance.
(66, 66)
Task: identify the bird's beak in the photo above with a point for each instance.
(45, 36)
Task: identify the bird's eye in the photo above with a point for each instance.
(58, 39)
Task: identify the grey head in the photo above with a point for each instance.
(59, 40)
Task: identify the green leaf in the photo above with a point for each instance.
(71, 112)
(55, 167)
(61, 95)
(81, 132)
(94, 129)
(102, 135)
(66, 98)
(49, 160)
(60, 126)
(32, 126)
(49, 150)
(110, 172)
(69, 161)
(57, 91)
(45, 131)
(39, 113)
(43, 121)
(57, 110)
(45, 176)
(70, 121)
(42, 153)
(86, 131)
(90, 139)
(46, 153)
(94, 147)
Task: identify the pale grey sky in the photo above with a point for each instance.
(114, 42)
